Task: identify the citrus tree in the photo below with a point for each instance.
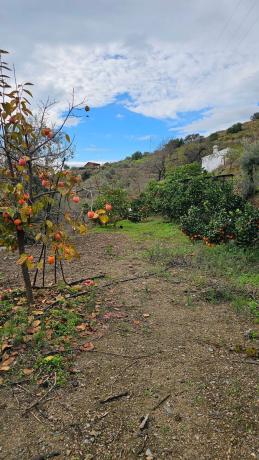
(38, 196)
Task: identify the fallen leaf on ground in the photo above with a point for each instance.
(38, 312)
(27, 371)
(5, 346)
(27, 338)
(136, 322)
(117, 315)
(146, 315)
(5, 366)
(36, 323)
(87, 346)
(81, 327)
(33, 330)
(1, 380)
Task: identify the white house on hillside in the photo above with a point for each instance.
(216, 159)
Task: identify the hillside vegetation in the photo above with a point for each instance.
(134, 173)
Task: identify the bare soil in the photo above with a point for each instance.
(166, 343)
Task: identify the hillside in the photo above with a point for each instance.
(133, 173)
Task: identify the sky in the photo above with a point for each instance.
(150, 70)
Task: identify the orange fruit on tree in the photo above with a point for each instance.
(58, 236)
(17, 222)
(30, 258)
(51, 260)
(45, 131)
(76, 199)
(108, 207)
(22, 161)
(45, 183)
(90, 214)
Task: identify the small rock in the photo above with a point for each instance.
(149, 455)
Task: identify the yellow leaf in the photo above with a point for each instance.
(104, 219)
(49, 358)
(40, 265)
(49, 223)
(38, 236)
(82, 229)
(22, 259)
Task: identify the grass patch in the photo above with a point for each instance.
(26, 334)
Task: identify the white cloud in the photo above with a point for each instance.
(120, 115)
(180, 57)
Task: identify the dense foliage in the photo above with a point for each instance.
(235, 128)
(206, 208)
(118, 198)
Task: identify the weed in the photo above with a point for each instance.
(63, 322)
(217, 294)
(109, 251)
(53, 363)
(247, 306)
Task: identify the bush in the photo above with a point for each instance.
(255, 116)
(213, 137)
(136, 156)
(247, 225)
(188, 186)
(241, 226)
(118, 198)
(235, 128)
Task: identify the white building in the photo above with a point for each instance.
(216, 159)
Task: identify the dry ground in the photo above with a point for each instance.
(167, 343)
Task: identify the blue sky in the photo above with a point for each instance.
(114, 132)
(149, 69)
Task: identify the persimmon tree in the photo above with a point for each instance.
(38, 196)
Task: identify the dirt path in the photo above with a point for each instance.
(166, 343)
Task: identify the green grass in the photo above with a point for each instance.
(150, 229)
(229, 262)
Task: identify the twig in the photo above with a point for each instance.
(111, 283)
(101, 275)
(114, 397)
(161, 402)
(125, 356)
(35, 403)
(144, 422)
(246, 362)
(72, 283)
(47, 456)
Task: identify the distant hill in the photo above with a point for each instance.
(136, 171)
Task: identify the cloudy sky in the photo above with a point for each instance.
(149, 69)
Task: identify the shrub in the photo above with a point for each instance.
(118, 198)
(241, 226)
(235, 128)
(136, 156)
(255, 116)
(247, 225)
(213, 137)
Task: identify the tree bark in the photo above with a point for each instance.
(25, 271)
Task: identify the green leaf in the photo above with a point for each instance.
(28, 92)
(67, 138)
(49, 223)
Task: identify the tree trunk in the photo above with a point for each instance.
(25, 271)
